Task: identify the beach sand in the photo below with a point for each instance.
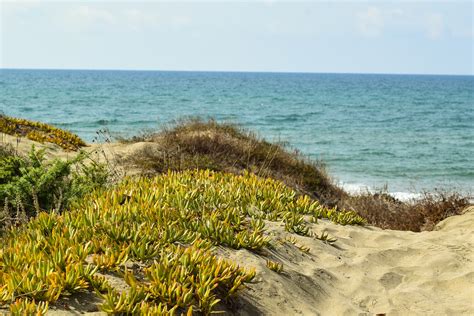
(367, 271)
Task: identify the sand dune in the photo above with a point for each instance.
(366, 271)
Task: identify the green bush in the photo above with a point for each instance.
(29, 185)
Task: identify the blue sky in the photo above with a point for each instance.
(353, 36)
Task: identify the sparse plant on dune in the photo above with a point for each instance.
(26, 306)
(293, 241)
(325, 238)
(340, 217)
(382, 210)
(40, 132)
(295, 223)
(303, 248)
(275, 266)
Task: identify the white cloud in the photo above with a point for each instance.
(370, 22)
(373, 21)
(25, 3)
(434, 24)
(396, 13)
(85, 17)
(12, 8)
(94, 17)
(181, 21)
(137, 19)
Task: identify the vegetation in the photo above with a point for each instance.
(325, 238)
(196, 144)
(384, 211)
(30, 185)
(168, 224)
(208, 185)
(28, 307)
(40, 132)
(275, 266)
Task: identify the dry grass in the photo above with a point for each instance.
(197, 144)
(385, 211)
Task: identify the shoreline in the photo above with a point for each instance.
(403, 196)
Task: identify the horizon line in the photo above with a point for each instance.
(239, 71)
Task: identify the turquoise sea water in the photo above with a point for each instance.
(411, 132)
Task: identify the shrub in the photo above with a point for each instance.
(29, 185)
(384, 211)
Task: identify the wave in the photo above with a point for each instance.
(289, 118)
(359, 188)
(86, 123)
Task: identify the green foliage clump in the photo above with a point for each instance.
(340, 217)
(25, 306)
(275, 266)
(168, 224)
(29, 185)
(40, 132)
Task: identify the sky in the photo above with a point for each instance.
(420, 37)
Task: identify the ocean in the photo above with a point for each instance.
(405, 133)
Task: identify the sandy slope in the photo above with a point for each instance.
(112, 154)
(367, 271)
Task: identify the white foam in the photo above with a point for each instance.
(355, 188)
(405, 196)
(359, 188)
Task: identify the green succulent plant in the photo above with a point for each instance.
(40, 132)
(26, 306)
(275, 266)
(170, 225)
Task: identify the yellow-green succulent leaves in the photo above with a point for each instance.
(40, 132)
(169, 224)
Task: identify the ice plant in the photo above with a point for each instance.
(169, 225)
(40, 132)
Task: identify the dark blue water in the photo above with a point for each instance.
(408, 131)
